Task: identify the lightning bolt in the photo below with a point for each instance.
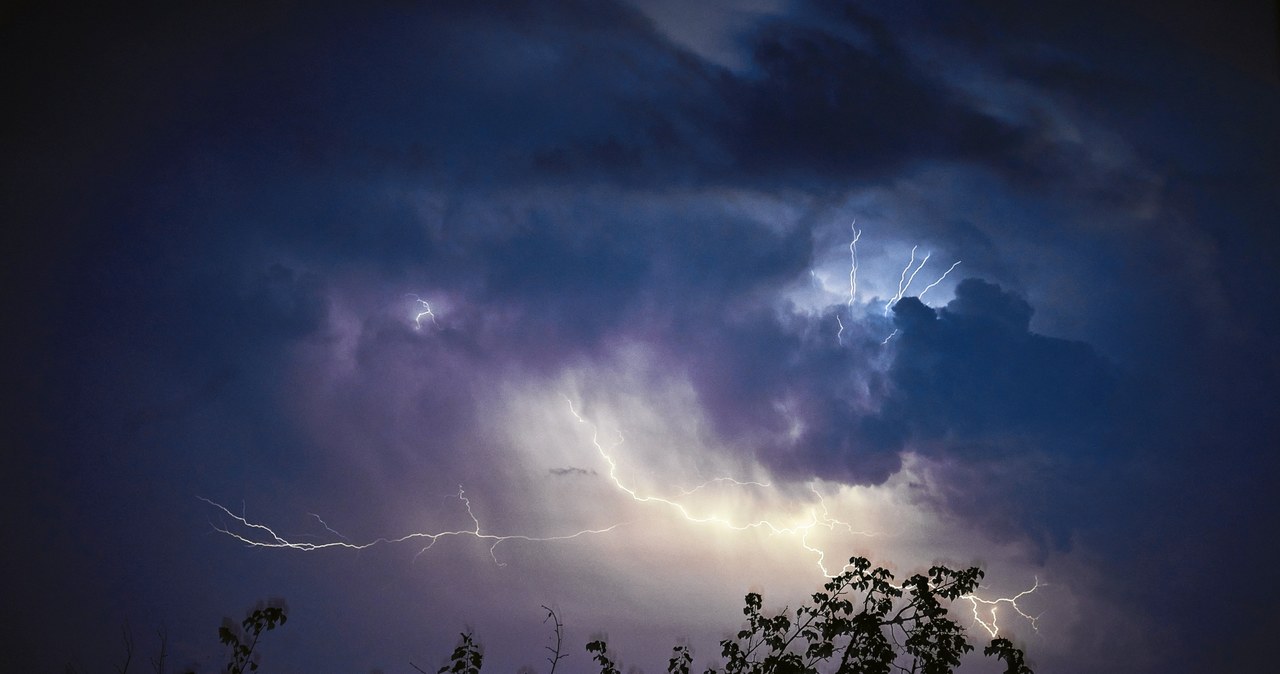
(749, 483)
(944, 275)
(991, 626)
(904, 282)
(815, 518)
(819, 516)
(258, 535)
(853, 263)
(853, 280)
(426, 311)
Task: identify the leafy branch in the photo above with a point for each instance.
(244, 641)
(861, 622)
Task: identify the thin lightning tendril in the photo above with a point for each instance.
(686, 492)
(853, 263)
(913, 274)
(904, 281)
(940, 278)
(426, 311)
(853, 280)
(327, 527)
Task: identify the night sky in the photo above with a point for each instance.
(634, 225)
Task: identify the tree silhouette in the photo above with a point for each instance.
(466, 658)
(243, 640)
(861, 623)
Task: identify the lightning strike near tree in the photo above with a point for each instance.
(819, 516)
(991, 625)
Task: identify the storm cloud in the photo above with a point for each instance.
(224, 227)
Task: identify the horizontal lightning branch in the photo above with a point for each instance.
(258, 535)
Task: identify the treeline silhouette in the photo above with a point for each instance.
(860, 623)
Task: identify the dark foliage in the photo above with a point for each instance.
(860, 623)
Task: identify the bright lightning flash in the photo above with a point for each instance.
(815, 519)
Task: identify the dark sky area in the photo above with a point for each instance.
(663, 245)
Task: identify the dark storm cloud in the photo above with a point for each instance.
(292, 142)
(482, 94)
(974, 370)
(1017, 421)
(819, 104)
(822, 108)
(826, 99)
(968, 382)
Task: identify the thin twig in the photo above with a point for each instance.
(128, 649)
(556, 655)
